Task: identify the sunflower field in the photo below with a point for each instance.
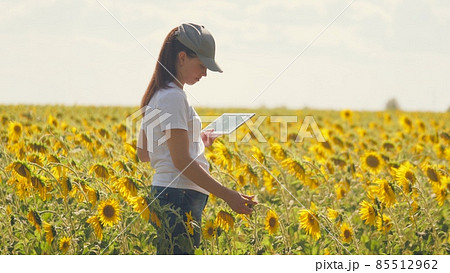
(71, 183)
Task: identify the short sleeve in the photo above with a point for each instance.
(174, 111)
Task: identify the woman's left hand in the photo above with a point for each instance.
(208, 137)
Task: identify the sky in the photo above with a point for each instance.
(319, 54)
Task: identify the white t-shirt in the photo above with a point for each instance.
(169, 109)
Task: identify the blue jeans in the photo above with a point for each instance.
(184, 201)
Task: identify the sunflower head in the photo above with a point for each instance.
(189, 222)
(20, 168)
(50, 232)
(34, 219)
(224, 220)
(372, 162)
(140, 205)
(109, 212)
(210, 230)
(95, 223)
(100, 170)
(64, 244)
(368, 213)
(346, 233)
(15, 130)
(309, 222)
(384, 223)
(347, 115)
(271, 222)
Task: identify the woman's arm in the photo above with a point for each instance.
(142, 152)
(178, 144)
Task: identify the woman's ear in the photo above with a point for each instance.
(181, 57)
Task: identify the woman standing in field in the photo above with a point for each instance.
(171, 137)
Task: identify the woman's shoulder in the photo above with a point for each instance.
(171, 95)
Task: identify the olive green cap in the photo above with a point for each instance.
(198, 39)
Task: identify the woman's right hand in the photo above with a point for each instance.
(240, 203)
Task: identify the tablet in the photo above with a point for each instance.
(228, 122)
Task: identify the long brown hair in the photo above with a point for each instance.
(165, 69)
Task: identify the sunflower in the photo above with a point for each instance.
(441, 191)
(122, 166)
(131, 151)
(251, 174)
(294, 167)
(432, 173)
(372, 162)
(34, 219)
(57, 169)
(347, 115)
(386, 193)
(38, 147)
(109, 212)
(60, 147)
(277, 151)
(309, 222)
(245, 219)
(311, 180)
(406, 123)
(384, 223)
(100, 170)
(92, 194)
(346, 233)
(404, 176)
(224, 220)
(36, 158)
(23, 188)
(155, 219)
(258, 154)
(334, 216)
(272, 222)
(368, 213)
(52, 121)
(66, 186)
(121, 129)
(270, 184)
(126, 186)
(223, 156)
(39, 184)
(372, 192)
(388, 146)
(50, 232)
(322, 150)
(21, 170)
(103, 132)
(209, 231)
(64, 244)
(188, 222)
(15, 131)
(96, 225)
(241, 180)
(140, 206)
(421, 125)
(341, 189)
(86, 140)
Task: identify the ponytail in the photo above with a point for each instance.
(165, 69)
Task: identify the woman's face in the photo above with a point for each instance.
(190, 70)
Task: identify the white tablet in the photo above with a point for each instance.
(228, 122)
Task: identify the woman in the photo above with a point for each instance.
(170, 136)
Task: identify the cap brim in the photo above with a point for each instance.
(210, 63)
